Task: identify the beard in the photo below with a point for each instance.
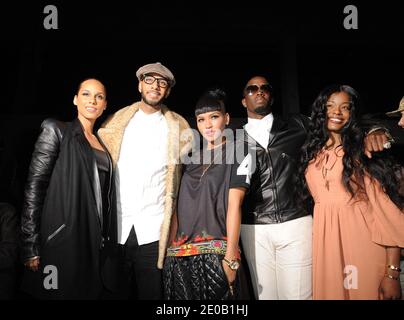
(152, 103)
(263, 110)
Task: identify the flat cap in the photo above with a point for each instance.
(398, 111)
(156, 68)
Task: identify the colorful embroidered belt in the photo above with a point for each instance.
(190, 249)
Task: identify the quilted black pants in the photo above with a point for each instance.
(198, 277)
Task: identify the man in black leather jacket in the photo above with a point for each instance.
(276, 233)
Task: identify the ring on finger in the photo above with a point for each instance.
(387, 145)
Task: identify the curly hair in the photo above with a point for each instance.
(356, 164)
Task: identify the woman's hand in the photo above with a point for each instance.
(32, 264)
(230, 274)
(389, 289)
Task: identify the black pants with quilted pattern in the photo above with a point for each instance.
(198, 277)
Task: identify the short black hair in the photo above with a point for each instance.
(213, 99)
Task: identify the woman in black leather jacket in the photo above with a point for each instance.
(68, 220)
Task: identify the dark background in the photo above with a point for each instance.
(299, 47)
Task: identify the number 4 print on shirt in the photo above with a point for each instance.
(245, 168)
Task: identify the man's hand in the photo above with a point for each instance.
(375, 142)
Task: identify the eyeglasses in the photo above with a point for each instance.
(253, 89)
(161, 82)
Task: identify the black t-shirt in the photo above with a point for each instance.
(203, 198)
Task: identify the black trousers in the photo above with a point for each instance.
(141, 280)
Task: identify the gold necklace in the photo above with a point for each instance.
(210, 164)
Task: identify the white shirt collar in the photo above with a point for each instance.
(259, 129)
(264, 122)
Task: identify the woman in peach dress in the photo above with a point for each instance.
(358, 218)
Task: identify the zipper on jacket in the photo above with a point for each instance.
(275, 188)
(56, 232)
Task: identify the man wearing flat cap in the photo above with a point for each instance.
(146, 141)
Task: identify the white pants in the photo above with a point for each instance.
(279, 257)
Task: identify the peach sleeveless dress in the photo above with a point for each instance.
(349, 235)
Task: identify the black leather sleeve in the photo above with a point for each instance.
(43, 160)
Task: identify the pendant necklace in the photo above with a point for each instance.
(210, 164)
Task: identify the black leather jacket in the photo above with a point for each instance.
(271, 195)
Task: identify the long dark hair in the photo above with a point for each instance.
(381, 166)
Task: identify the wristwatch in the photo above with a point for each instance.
(233, 264)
